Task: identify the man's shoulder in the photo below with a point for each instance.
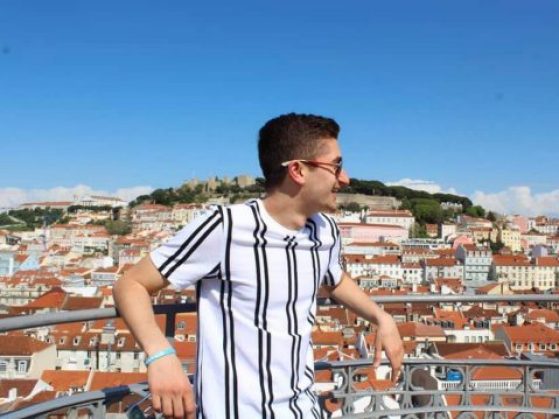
(239, 209)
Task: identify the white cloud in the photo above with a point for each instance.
(519, 200)
(12, 197)
(513, 200)
(422, 185)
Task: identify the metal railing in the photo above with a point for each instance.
(425, 390)
(421, 391)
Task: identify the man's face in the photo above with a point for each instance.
(322, 180)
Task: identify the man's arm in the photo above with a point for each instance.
(171, 391)
(350, 295)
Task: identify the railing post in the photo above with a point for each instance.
(170, 326)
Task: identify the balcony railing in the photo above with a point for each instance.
(427, 388)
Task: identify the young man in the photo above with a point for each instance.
(257, 268)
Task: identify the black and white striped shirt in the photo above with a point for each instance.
(256, 285)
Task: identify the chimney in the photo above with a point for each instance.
(12, 394)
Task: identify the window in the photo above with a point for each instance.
(21, 366)
(3, 366)
(180, 325)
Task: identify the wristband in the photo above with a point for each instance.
(160, 354)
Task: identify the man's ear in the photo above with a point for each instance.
(296, 172)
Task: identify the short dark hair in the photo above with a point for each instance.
(289, 137)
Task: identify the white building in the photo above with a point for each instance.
(402, 218)
(477, 264)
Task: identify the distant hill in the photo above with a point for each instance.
(425, 206)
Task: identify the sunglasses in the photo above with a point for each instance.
(321, 164)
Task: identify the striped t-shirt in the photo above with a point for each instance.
(256, 285)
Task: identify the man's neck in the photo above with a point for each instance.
(286, 210)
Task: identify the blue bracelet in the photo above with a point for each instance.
(160, 354)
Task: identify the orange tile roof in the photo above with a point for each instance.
(445, 252)
(487, 288)
(186, 351)
(103, 380)
(74, 302)
(350, 258)
(549, 316)
(24, 386)
(415, 329)
(531, 333)
(370, 226)
(477, 312)
(510, 260)
(327, 338)
(323, 376)
(63, 380)
(550, 261)
(411, 266)
(486, 350)
(454, 316)
(386, 260)
(51, 299)
(454, 283)
(77, 327)
(496, 373)
(440, 262)
(18, 345)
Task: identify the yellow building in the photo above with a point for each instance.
(511, 239)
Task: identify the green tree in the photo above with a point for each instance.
(496, 246)
(352, 206)
(419, 231)
(426, 211)
(475, 211)
(164, 196)
(118, 227)
(5, 220)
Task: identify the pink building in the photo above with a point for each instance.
(461, 240)
(521, 222)
(370, 233)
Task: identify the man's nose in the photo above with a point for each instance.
(343, 179)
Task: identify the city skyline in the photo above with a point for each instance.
(125, 98)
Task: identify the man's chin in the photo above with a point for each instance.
(330, 209)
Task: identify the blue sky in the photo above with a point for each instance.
(460, 96)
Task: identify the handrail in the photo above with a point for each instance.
(97, 401)
(77, 400)
(44, 319)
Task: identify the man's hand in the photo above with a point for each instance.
(171, 391)
(389, 338)
(349, 294)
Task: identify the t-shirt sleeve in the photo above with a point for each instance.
(193, 253)
(335, 269)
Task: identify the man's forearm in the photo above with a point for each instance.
(134, 305)
(350, 295)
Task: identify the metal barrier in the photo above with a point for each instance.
(428, 387)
